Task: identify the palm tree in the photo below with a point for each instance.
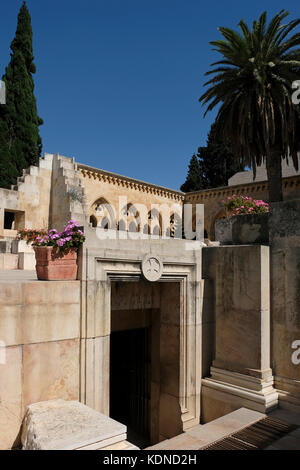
(253, 85)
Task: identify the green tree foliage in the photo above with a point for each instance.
(193, 180)
(252, 85)
(212, 166)
(20, 142)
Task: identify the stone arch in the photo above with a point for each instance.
(155, 222)
(175, 227)
(103, 214)
(133, 218)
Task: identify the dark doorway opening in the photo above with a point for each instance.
(130, 383)
(9, 219)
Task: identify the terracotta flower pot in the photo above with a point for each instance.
(51, 265)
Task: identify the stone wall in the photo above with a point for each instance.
(284, 223)
(107, 188)
(240, 372)
(212, 198)
(29, 199)
(40, 325)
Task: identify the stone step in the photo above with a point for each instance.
(69, 173)
(67, 163)
(73, 182)
(33, 170)
(201, 436)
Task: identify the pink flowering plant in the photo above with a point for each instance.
(237, 205)
(30, 235)
(69, 239)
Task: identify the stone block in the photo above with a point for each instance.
(50, 371)
(50, 322)
(5, 246)
(20, 246)
(27, 261)
(10, 398)
(11, 329)
(8, 261)
(241, 279)
(98, 309)
(223, 231)
(68, 425)
(243, 229)
(97, 373)
(10, 293)
(64, 292)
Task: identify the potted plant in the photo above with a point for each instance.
(56, 253)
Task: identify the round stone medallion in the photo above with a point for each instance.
(152, 268)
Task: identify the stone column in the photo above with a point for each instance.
(240, 373)
(95, 344)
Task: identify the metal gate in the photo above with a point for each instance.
(130, 381)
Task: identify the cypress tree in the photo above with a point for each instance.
(193, 180)
(20, 142)
(212, 166)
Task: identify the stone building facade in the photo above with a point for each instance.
(59, 188)
(182, 331)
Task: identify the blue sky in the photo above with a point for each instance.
(118, 81)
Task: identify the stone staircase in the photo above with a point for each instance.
(29, 174)
(74, 190)
(68, 196)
